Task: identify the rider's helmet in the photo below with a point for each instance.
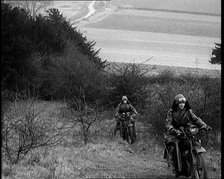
(179, 98)
(124, 98)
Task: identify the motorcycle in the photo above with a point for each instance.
(188, 158)
(126, 127)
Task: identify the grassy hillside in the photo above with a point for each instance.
(103, 157)
(73, 138)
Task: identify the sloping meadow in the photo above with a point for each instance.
(104, 156)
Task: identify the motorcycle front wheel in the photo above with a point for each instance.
(130, 135)
(125, 133)
(200, 171)
(201, 167)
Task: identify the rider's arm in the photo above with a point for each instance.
(117, 114)
(168, 123)
(196, 120)
(134, 112)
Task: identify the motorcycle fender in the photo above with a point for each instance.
(200, 149)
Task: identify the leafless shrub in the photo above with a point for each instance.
(87, 116)
(82, 116)
(26, 127)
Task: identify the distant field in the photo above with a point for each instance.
(158, 24)
(172, 38)
(195, 6)
(166, 49)
(157, 69)
(175, 39)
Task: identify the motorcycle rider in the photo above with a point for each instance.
(125, 106)
(178, 116)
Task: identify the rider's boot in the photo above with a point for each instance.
(173, 162)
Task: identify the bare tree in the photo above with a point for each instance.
(86, 115)
(82, 115)
(26, 127)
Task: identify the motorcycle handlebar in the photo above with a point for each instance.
(179, 133)
(207, 128)
(131, 115)
(182, 129)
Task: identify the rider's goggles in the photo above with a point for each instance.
(182, 100)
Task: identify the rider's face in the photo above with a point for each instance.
(181, 105)
(125, 101)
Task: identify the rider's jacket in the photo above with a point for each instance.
(176, 119)
(121, 108)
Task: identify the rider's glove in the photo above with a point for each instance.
(131, 117)
(174, 131)
(117, 117)
(206, 127)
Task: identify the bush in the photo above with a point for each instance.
(71, 74)
(216, 54)
(129, 80)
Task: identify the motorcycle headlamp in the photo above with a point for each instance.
(193, 130)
